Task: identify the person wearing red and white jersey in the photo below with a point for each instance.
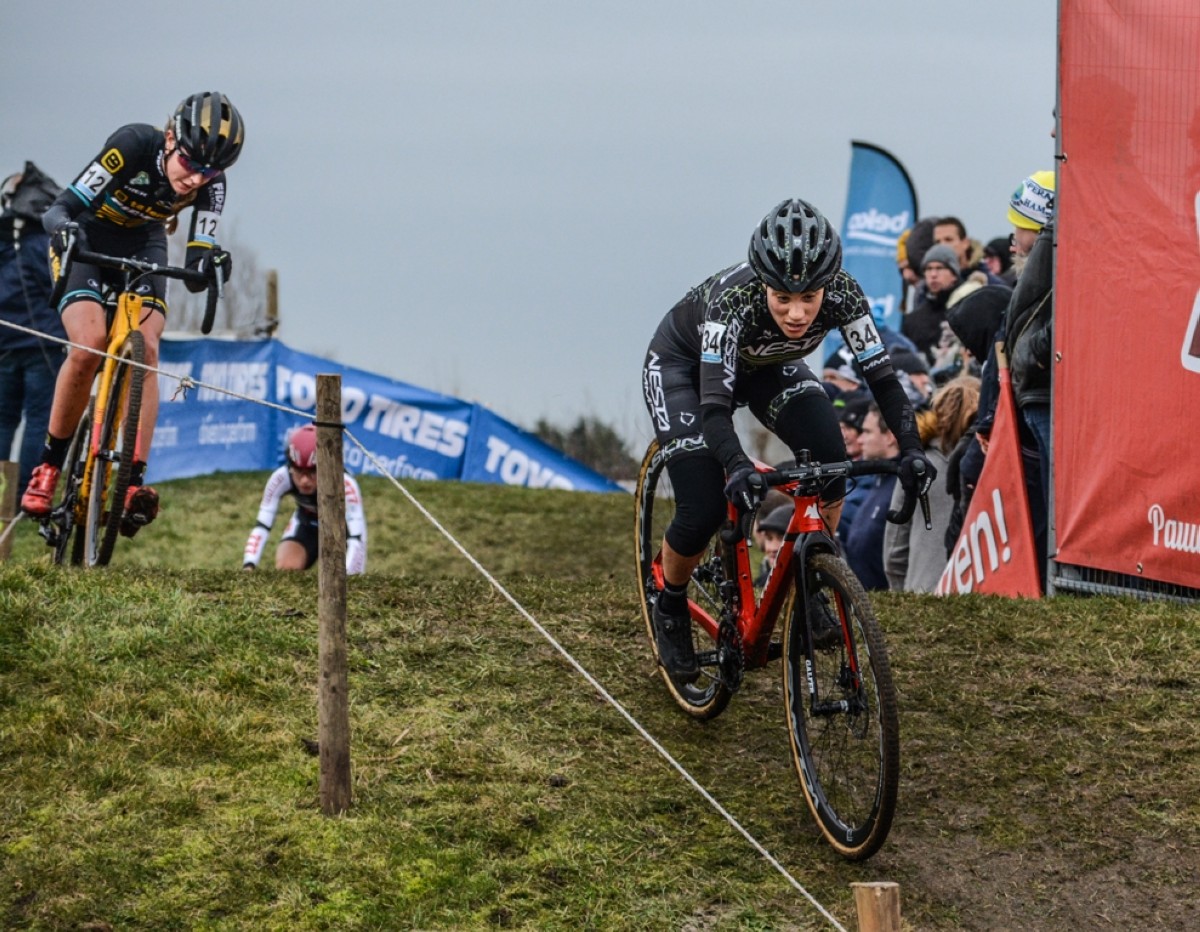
(299, 546)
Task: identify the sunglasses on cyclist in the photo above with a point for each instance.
(194, 168)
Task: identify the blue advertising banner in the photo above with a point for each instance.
(881, 203)
(412, 433)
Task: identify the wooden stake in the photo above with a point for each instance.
(272, 302)
(878, 906)
(333, 688)
(10, 473)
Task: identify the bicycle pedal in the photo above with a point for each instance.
(50, 532)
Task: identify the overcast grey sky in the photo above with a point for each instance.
(500, 200)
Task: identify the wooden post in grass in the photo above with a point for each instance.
(878, 906)
(9, 474)
(333, 689)
(272, 323)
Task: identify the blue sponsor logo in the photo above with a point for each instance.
(877, 227)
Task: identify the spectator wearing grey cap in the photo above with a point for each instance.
(945, 286)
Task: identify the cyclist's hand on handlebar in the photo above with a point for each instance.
(62, 236)
(916, 473)
(220, 260)
(916, 479)
(745, 489)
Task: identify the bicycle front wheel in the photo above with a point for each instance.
(841, 714)
(708, 694)
(72, 507)
(113, 461)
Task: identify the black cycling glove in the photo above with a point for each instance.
(746, 488)
(916, 473)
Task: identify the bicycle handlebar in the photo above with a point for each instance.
(213, 281)
(808, 473)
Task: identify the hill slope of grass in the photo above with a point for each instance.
(154, 719)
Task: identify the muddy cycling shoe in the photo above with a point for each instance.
(673, 637)
(826, 628)
(141, 507)
(39, 496)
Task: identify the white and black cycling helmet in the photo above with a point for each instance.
(795, 248)
(209, 130)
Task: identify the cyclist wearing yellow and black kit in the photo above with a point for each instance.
(122, 205)
(740, 338)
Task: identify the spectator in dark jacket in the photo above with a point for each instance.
(864, 543)
(1029, 323)
(998, 256)
(976, 321)
(28, 365)
(945, 285)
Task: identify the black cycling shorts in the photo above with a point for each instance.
(304, 530)
(87, 282)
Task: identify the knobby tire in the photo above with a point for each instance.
(112, 466)
(74, 465)
(707, 695)
(848, 760)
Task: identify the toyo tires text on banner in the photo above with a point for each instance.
(217, 425)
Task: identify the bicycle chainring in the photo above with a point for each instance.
(731, 659)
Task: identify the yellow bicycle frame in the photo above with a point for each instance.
(126, 319)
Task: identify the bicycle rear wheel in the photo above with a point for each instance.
(842, 718)
(707, 695)
(114, 460)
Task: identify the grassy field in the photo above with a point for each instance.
(156, 773)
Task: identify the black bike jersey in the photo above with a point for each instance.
(126, 189)
(724, 322)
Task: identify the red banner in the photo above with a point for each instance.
(995, 552)
(1127, 292)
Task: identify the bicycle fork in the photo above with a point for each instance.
(809, 525)
(126, 319)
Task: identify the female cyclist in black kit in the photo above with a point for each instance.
(121, 205)
(740, 338)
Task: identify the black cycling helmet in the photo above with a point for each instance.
(795, 248)
(209, 130)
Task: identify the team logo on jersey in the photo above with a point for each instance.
(113, 161)
(140, 178)
(656, 398)
(687, 419)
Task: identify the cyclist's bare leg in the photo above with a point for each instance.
(291, 555)
(677, 569)
(85, 325)
(151, 328)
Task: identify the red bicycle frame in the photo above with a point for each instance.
(756, 615)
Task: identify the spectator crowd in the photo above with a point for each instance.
(968, 306)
